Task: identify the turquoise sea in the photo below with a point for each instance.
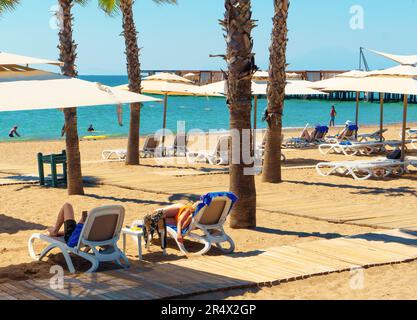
(197, 112)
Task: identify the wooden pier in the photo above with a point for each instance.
(203, 77)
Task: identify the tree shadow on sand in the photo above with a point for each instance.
(12, 225)
(389, 192)
(299, 234)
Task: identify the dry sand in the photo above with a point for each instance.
(25, 209)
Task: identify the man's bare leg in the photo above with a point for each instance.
(66, 213)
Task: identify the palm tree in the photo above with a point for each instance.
(8, 5)
(240, 60)
(133, 67)
(68, 55)
(276, 93)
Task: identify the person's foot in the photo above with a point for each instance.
(52, 232)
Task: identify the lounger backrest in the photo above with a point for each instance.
(181, 141)
(215, 213)
(102, 224)
(222, 147)
(151, 143)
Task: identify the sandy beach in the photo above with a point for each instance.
(29, 208)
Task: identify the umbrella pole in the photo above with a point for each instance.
(381, 112)
(357, 111)
(164, 123)
(255, 111)
(404, 127)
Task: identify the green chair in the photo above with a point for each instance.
(53, 160)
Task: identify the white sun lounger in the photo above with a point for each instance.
(219, 156)
(99, 235)
(208, 219)
(351, 148)
(377, 135)
(355, 148)
(363, 170)
(117, 154)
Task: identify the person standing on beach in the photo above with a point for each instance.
(13, 132)
(333, 114)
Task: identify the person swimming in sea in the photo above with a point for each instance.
(91, 128)
(13, 132)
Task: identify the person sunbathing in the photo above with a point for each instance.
(72, 229)
(346, 130)
(179, 215)
(305, 135)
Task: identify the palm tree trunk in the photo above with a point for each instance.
(238, 26)
(68, 55)
(276, 93)
(133, 71)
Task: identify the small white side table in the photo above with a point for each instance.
(138, 235)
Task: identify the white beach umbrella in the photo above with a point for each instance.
(401, 59)
(169, 77)
(14, 59)
(32, 89)
(384, 81)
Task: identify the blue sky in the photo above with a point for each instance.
(183, 36)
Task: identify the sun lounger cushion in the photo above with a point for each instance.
(322, 129)
(353, 127)
(346, 143)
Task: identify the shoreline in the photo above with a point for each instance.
(143, 136)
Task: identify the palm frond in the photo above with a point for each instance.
(7, 5)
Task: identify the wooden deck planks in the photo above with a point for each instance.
(213, 273)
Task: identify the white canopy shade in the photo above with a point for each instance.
(14, 59)
(36, 89)
(410, 60)
(261, 74)
(292, 88)
(397, 71)
(340, 78)
(396, 85)
(169, 77)
(163, 87)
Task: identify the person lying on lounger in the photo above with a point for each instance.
(178, 215)
(72, 229)
(305, 135)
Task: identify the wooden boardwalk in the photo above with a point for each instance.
(188, 277)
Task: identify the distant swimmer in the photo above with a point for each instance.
(13, 132)
(91, 128)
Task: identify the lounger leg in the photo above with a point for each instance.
(230, 249)
(126, 263)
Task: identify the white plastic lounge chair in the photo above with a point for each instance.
(219, 156)
(208, 218)
(350, 135)
(352, 148)
(150, 146)
(100, 234)
(179, 146)
(410, 133)
(363, 170)
(319, 135)
(377, 135)
(260, 150)
(119, 154)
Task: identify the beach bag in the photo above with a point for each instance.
(154, 223)
(395, 155)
